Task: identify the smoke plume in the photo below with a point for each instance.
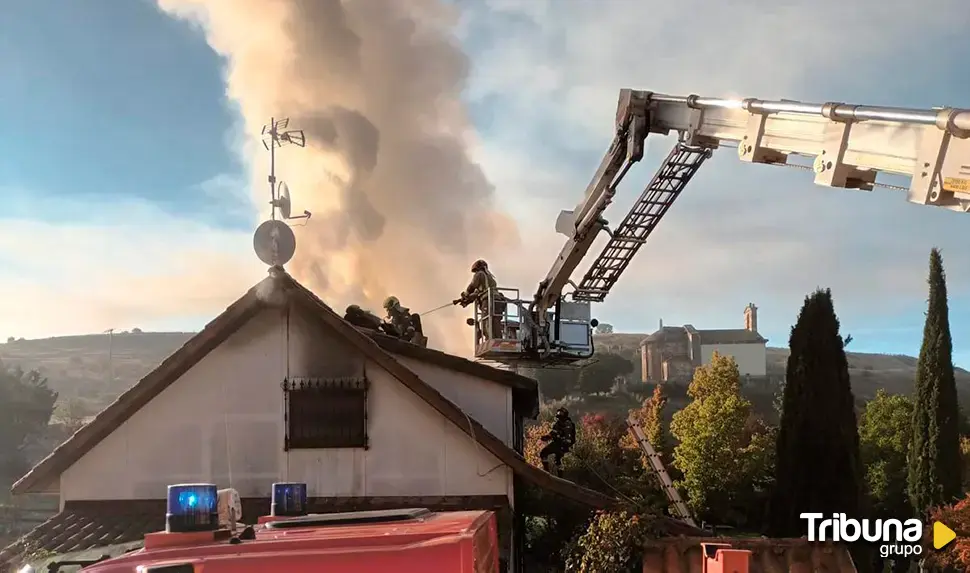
(399, 208)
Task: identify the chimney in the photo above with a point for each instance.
(751, 317)
(661, 324)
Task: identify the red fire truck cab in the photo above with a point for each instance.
(406, 540)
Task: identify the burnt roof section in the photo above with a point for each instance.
(721, 336)
(227, 323)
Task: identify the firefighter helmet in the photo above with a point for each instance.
(479, 265)
(391, 302)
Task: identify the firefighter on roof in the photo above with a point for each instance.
(560, 439)
(407, 325)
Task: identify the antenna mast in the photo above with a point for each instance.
(276, 135)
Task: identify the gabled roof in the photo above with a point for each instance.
(730, 336)
(717, 336)
(227, 323)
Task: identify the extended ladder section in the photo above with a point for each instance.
(849, 145)
(674, 174)
(677, 504)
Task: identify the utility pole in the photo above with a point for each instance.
(111, 370)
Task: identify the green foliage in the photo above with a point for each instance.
(651, 418)
(721, 459)
(611, 544)
(934, 457)
(26, 404)
(653, 422)
(554, 383)
(818, 435)
(601, 374)
(885, 432)
(596, 461)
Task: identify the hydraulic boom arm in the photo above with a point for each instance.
(850, 144)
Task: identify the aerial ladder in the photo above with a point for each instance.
(850, 145)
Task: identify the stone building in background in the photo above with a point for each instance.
(673, 352)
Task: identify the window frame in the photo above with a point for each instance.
(342, 434)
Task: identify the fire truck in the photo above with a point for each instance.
(203, 532)
(846, 146)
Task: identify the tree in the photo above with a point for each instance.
(934, 457)
(601, 374)
(603, 328)
(613, 543)
(651, 418)
(26, 404)
(596, 462)
(885, 432)
(956, 555)
(714, 452)
(817, 449)
(554, 383)
(71, 413)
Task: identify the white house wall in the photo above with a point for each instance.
(751, 358)
(180, 436)
(487, 402)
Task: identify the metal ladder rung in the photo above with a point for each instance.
(654, 202)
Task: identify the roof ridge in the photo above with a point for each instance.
(223, 326)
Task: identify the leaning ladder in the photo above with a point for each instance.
(680, 508)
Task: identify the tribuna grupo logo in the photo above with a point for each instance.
(894, 536)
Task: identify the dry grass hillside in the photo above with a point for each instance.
(78, 367)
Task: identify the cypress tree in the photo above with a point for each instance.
(934, 455)
(817, 465)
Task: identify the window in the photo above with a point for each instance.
(325, 413)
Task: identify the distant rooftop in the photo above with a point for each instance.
(718, 336)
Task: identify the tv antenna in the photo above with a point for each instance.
(274, 241)
(275, 134)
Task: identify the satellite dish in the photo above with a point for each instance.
(274, 243)
(283, 203)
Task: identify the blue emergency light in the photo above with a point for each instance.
(192, 507)
(289, 500)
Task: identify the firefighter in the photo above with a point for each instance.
(560, 439)
(365, 319)
(406, 323)
(482, 283)
(362, 318)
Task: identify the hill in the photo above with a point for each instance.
(94, 369)
(870, 372)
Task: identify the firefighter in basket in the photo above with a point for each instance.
(482, 283)
(559, 440)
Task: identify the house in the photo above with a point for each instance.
(280, 388)
(673, 352)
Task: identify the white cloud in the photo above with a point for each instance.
(132, 266)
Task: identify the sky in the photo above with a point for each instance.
(132, 179)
